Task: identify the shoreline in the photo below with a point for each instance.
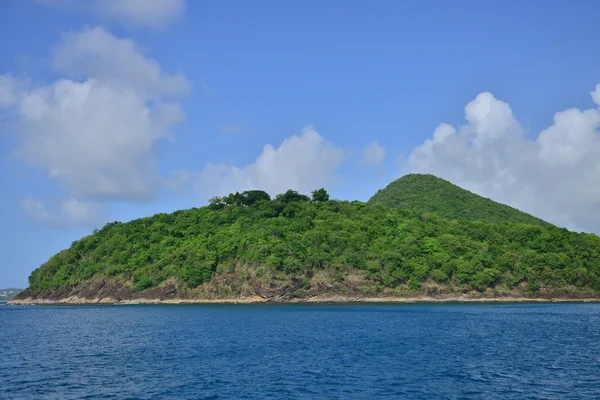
(333, 299)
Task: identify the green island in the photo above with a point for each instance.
(419, 238)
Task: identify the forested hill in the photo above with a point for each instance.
(293, 246)
(428, 193)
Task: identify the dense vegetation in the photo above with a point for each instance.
(317, 241)
(428, 193)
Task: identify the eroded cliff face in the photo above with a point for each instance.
(292, 291)
(222, 289)
(89, 292)
(231, 286)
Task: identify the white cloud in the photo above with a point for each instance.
(554, 177)
(489, 119)
(95, 138)
(156, 14)
(571, 137)
(596, 94)
(80, 212)
(8, 91)
(67, 212)
(36, 210)
(373, 154)
(301, 163)
(93, 52)
(97, 135)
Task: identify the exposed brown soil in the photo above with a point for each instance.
(104, 292)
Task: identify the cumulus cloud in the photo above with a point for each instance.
(373, 154)
(67, 212)
(555, 176)
(155, 14)
(96, 133)
(301, 163)
(93, 52)
(96, 139)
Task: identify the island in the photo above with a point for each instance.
(419, 239)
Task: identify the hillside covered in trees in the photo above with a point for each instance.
(428, 193)
(294, 246)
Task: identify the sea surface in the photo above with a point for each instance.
(403, 351)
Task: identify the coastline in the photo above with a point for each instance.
(331, 299)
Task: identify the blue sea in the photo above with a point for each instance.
(395, 351)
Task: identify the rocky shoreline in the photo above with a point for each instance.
(112, 292)
(75, 300)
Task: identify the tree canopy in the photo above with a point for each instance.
(428, 193)
(246, 198)
(291, 196)
(320, 195)
(249, 237)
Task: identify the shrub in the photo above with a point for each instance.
(143, 283)
(533, 286)
(414, 284)
(439, 276)
(196, 275)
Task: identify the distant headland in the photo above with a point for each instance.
(9, 294)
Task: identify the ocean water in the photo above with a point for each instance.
(449, 351)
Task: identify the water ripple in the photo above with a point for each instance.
(524, 351)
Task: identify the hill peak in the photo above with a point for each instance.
(429, 193)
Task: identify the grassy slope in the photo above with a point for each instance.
(427, 193)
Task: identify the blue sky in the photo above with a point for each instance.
(119, 109)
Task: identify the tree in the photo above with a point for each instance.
(320, 195)
(252, 196)
(290, 196)
(216, 203)
(238, 199)
(229, 199)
